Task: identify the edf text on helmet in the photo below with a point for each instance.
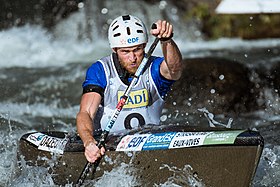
(132, 40)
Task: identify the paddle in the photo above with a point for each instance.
(117, 111)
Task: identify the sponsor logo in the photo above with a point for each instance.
(47, 143)
(137, 141)
(188, 139)
(123, 143)
(52, 144)
(135, 99)
(35, 138)
(185, 134)
(186, 142)
(159, 141)
(132, 142)
(222, 137)
(133, 40)
(123, 41)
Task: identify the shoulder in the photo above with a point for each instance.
(101, 66)
(96, 66)
(155, 60)
(95, 70)
(155, 64)
(162, 84)
(101, 63)
(95, 75)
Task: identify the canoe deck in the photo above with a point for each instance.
(212, 165)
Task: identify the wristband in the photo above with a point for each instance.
(165, 39)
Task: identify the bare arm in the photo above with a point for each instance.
(171, 68)
(88, 108)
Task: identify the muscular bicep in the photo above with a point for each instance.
(164, 71)
(90, 103)
(171, 68)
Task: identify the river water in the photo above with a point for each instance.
(40, 81)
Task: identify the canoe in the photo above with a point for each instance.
(211, 156)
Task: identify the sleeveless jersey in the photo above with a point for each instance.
(144, 104)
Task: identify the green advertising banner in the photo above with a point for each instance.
(222, 137)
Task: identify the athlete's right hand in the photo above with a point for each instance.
(92, 152)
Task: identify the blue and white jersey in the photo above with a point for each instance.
(145, 102)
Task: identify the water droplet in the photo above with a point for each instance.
(81, 5)
(162, 5)
(104, 11)
(163, 118)
(221, 77)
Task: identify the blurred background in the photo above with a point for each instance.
(231, 56)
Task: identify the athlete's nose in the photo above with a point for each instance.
(132, 56)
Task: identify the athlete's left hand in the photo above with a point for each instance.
(164, 29)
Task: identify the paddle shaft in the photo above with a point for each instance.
(116, 113)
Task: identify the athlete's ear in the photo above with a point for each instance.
(114, 50)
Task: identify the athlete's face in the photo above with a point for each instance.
(131, 57)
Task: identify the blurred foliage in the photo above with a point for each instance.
(45, 12)
(247, 26)
(200, 13)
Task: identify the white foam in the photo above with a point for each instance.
(19, 111)
(33, 46)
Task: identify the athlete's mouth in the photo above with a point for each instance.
(133, 64)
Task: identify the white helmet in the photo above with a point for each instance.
(126, 31)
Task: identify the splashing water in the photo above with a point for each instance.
(121, 176)
(8, 147)
(212, 122)
(268, 171)
(182, 177)
(32, 176)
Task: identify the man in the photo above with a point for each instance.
(107, 79)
